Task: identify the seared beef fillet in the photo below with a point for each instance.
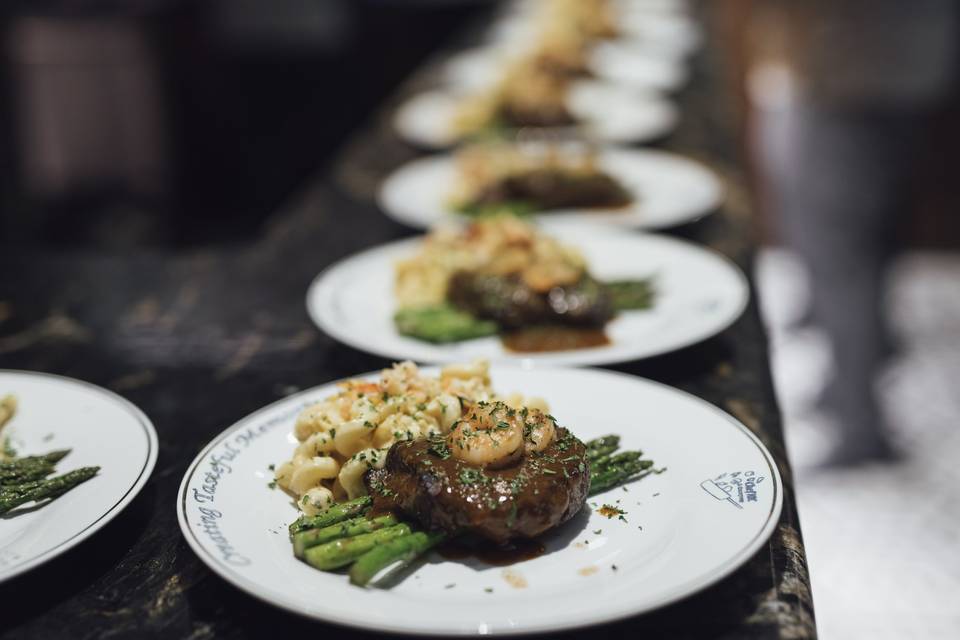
(539, 115)
(422, 480)
(509, 302)
(550, 189)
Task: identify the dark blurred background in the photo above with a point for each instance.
(177, 122)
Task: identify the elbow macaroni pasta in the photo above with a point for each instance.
(345, 435)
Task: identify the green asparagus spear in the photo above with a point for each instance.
(333, 515)
(402, 550)
(24, 473)
(515, 208)
(53, 457)
(441, 323)
(603, 442)
(16, 488)
(347, 529)
(619, 458)
(621, 467)
(46, 489)
(599, 453)
(339, 553)
(629, 295)
(618, 474)
(49, 458)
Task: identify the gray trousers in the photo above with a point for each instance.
(840, 181)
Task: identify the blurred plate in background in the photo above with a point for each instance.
(619, 62)
(668, 190)
(672, 33)
(607, 113)
(698, 294)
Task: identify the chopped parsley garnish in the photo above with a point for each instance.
(439, 448)
(378, 486)
(610, 512)
(472, 476)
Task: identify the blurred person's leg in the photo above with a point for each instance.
(840, 181)
(842, 90)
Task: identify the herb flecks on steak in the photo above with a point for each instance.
(542, 490)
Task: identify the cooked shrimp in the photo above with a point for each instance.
(538, 430)
(489, 435)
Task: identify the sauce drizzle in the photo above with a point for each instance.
(554, 338)
(489, 553)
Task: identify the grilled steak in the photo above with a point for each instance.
(422, 480)
(551, 189)
(518, 116)
(512, 304)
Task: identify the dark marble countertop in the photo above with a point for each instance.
(200, 339)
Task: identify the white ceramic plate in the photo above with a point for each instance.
(685, 529)
(672, 33)
(527, 7)
(668, 190)
(699, 293)
(606, 112)
(629, 63)
(102, 429)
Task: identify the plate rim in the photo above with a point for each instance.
(666, 107)
(448, 156)
(493, 50)
(146, 471)
(532, 362)
(691, 588)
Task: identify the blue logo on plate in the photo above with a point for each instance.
(735, 487)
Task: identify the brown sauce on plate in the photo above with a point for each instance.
(540, 339)
(496, 555)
